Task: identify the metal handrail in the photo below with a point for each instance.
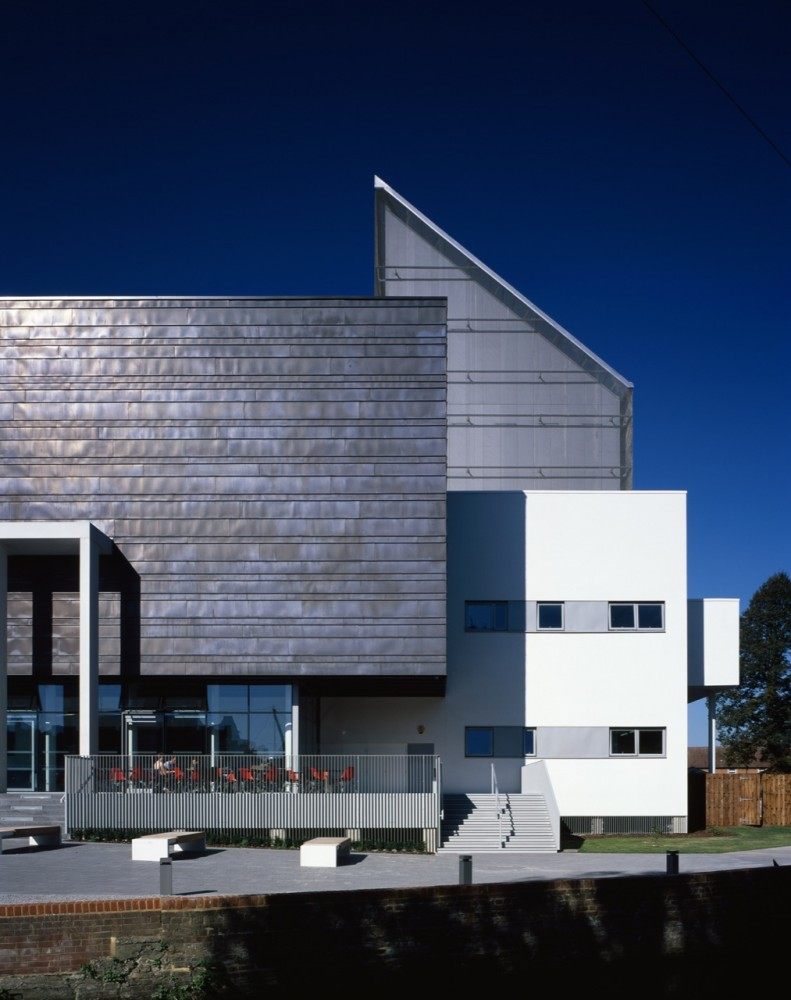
(256, 792)
(235, 772)
(496, 793)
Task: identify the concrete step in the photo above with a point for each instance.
(496, 850)
(19, 808)
(482, 823)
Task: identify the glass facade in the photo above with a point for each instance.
(154, 716)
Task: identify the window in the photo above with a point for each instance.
(637, 742)
(637, 617)
(550, 615)
(499, 741)
(486, 616)
(478, 741)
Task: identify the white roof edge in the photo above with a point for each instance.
(379, 183)
(588, 493)
(721, 600)
(47, 531)
(25, 530)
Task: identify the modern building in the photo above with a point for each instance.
(401, 525)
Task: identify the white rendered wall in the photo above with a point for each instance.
(575, 546)
(628, 546)
(486, 673)
(713, 642)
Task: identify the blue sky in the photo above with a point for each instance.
(574, 147)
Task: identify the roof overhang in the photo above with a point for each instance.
(51, 537)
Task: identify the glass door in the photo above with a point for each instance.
(21, 751)
(185, 733)
(142, 733)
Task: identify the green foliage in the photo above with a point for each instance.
(715, 841)
(755, 718)
(207, 979)
(372, 843)
(114, 971)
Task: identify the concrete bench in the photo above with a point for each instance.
(37, 836)
(324, 852)
(155, 846)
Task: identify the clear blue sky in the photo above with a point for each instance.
(229, 147)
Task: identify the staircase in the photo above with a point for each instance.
(24, 808)
(471, 825)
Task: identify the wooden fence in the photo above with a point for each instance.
(742, 799)
(776, 799)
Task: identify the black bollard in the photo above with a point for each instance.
(165, 877)
(465, 869)
(672, 862)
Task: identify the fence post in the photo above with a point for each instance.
(672, 863)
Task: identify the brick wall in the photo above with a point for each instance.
(662, 929)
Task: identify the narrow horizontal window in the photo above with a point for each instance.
(478, 741)
(637, 742)
(511, 742)
(550, 615)
(486, 616)
(637, 616)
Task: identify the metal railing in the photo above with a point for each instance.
(228, 791)
(230, 773)
(496, 794)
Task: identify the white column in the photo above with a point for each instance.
(3, 669)
(89, 644)
(295, 720)
(712, 705)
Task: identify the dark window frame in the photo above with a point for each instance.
(493, 604)
(493, 756)
(636, 731)
(636, 627)
(531, 730)
(551, 628)
(478, 756)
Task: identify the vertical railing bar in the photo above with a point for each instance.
(352, 791)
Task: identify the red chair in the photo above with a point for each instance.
(346, 778)
(117, 776)
(319, 777)
(271, 776)
(292, 777)
(136, 776)
(227, 779)
(246, 777)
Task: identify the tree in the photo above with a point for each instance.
(755, 718)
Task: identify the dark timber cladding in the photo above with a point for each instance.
(273, 471)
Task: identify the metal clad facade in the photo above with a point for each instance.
(528, 406)
(273, 470)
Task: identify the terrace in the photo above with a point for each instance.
(284, 796)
